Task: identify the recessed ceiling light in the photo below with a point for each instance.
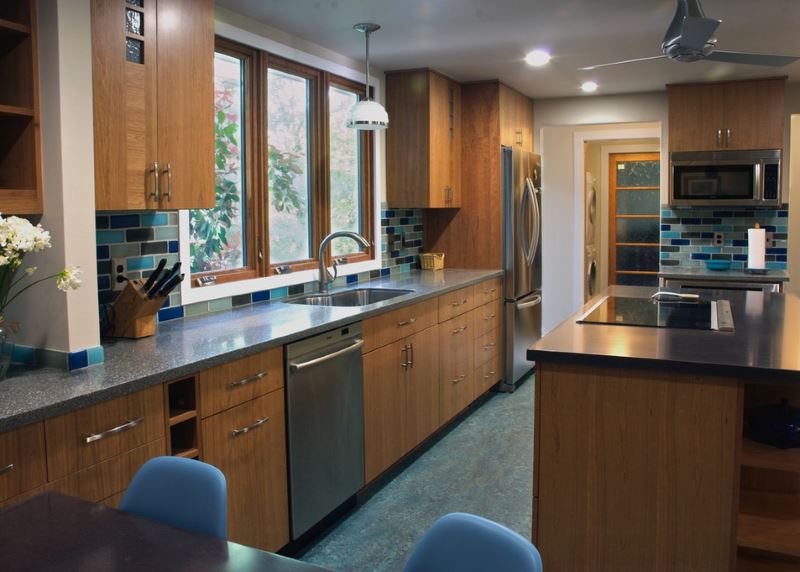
(589, 87)
(537, 58)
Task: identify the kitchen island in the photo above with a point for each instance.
(641, 461)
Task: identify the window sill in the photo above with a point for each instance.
(190, 295)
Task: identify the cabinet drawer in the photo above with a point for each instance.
(391, 326)
(88, 436)
(22, 460)
(487, 291)
(456, 303)
(487, 375)
(487, 346)
(456, 346)
(110, 477)
(230, 384)
(488, 317)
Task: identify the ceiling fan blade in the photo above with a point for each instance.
(696, 32)
(751, 59)
(589, 68)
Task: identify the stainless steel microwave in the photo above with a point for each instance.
(726, 178)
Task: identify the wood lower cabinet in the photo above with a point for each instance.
(456, 375)
(88, 436)
(423, 147)
(727, 115)
(398, 324)
(401, 397)
(254, 464)
(23, 463)
(153, 85)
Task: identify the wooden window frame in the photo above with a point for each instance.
(251, 196)
(257, 64)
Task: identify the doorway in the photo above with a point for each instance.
(634, 187)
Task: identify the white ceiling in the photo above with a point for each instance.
(480, 39)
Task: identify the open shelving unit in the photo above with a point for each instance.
(20, 162)
(768, 524)
(183, 431)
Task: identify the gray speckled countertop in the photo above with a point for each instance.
(771, 276)
(184, 347)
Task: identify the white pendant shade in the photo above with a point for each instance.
(368, 115)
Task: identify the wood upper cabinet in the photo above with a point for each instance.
(728, 115)
(153, 84)
(401, 399)
(423, 143)
(516, 119)
(254, 465)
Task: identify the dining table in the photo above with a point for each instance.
(53, 532)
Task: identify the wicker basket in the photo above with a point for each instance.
(432, 260)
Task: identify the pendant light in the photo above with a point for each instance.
(367, 115)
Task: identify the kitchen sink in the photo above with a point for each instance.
(355, 297)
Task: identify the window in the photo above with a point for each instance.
(286, 176)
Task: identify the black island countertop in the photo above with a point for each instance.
(765, 343)
(184, 347)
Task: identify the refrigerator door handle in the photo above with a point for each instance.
(535, 300)
(522, 230)
(536, 219)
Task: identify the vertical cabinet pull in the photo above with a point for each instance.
(719, 137)
(128, 425)
(168, 173)
(727, 137)
(404, 363)
(155, 194)
(411, 353)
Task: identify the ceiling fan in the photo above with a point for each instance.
(690, 38)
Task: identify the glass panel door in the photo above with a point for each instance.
(633, 238)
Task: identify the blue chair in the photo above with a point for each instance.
(184, 493)
(469, 543)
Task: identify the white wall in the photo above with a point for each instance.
(50, 319)
(556, 123)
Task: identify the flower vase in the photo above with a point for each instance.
(7, 344)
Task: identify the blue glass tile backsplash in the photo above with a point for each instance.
(687, 235)
(142, 239)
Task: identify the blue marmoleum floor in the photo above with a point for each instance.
(484, 466)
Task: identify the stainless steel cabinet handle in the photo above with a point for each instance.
(488, 291)
(256, 425)
(7, 469)
(406, 322)
(488, 375)
(404, 363)
(490, 346)
(155, 194)
(490, 317)
(246, 380)
(411, 359)
(168, 173)
(458, 330)
(296, 366)
(727, 137)
(719, 137)
(459, 379)
(457, 303)
(109, 432)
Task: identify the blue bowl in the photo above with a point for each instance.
(718, 264)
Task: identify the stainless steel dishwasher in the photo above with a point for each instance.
(325, 423)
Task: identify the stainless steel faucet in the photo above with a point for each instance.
(324, 275)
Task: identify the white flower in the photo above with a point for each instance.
(69, 278)
(30, 270)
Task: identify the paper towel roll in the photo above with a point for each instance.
(756, 248)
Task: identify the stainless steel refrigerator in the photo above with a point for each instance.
(522, 259)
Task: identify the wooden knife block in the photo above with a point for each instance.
(134, 313)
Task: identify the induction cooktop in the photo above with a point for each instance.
(622, 311)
